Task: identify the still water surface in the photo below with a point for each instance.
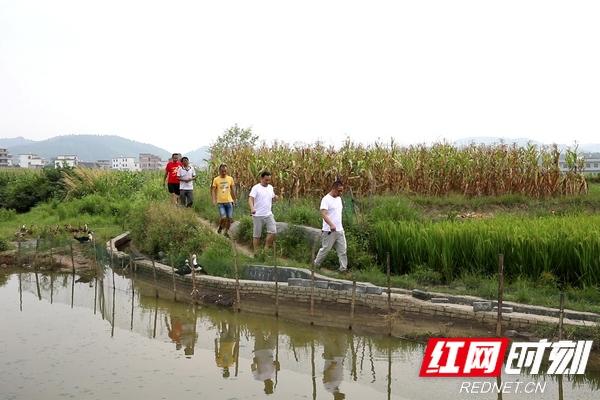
(60, 338)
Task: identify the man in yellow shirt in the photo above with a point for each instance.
(223, 196)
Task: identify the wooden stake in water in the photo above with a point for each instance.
(237, 277)
(173, 276)
(72, 258)
(276, 273)
(389, 294)
(312, 283)
(72, 287)
(561, 316)
(112, 328)
(35, 255)
(352, 302)
(20, 293)
(500, 293)
(154, 275)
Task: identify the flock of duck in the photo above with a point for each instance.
(80, 233)
(83, 234)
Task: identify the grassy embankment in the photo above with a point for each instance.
(442, 213)
(438, 240)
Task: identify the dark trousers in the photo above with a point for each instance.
(186, 197)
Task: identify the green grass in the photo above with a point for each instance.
(566, 246)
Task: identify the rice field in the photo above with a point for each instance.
(568, 247)
(437, 170)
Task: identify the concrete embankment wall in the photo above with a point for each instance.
(368, 307)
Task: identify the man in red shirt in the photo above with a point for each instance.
(171, 177)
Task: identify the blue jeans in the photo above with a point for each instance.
(226, 210)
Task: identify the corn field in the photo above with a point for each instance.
(568, 247)
(441, 169)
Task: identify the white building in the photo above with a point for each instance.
(66, 161)
(590, 165)
(5, 159)
(29, 161)
(125, 164)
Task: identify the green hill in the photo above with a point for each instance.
(87, 147)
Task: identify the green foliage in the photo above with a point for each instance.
(4, 245)
(568, 247)
(22, 190)
(161, 227)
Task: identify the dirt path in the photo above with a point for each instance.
(241, 249)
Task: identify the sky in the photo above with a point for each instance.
(177, 73)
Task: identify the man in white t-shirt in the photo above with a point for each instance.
(333, 230)
(187, 176)
(260, 201)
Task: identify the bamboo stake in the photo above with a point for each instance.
(51, 288)
(37, 285)
(237, 278)
(72, 258)
(154, 274)
(312, 366)
(132, 302)
(352, 302)
(389, 375)
(561, 316)
(72, 288)
(500, 293)
(312, 284)
(155, 317)
(173, 276)
(389, 294)
(35, 255)
(95, 293)
(112, 328)
(20, 293)
(276, 282)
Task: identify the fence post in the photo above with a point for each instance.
(173, 276)
(35, 255)
(154, 275)
(389, 293)
(237, 278)
(72, 258)
(500, 293)
(561, 316)
(352, 302)
(312, 281)
(276, 280)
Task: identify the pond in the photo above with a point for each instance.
(65, 336)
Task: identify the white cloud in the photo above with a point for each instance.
(178, 73)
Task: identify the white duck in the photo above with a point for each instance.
(195, 264)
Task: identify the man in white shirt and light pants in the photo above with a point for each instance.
(260, 201)
(333, 230)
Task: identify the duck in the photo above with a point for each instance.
(82, 239)
(185, 269)
(195, 264)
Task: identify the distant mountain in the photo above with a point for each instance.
(88, 147)
(199, 156)
(12, 142)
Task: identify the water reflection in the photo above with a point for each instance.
(264, 365)
(334, 354)
(252, 354)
